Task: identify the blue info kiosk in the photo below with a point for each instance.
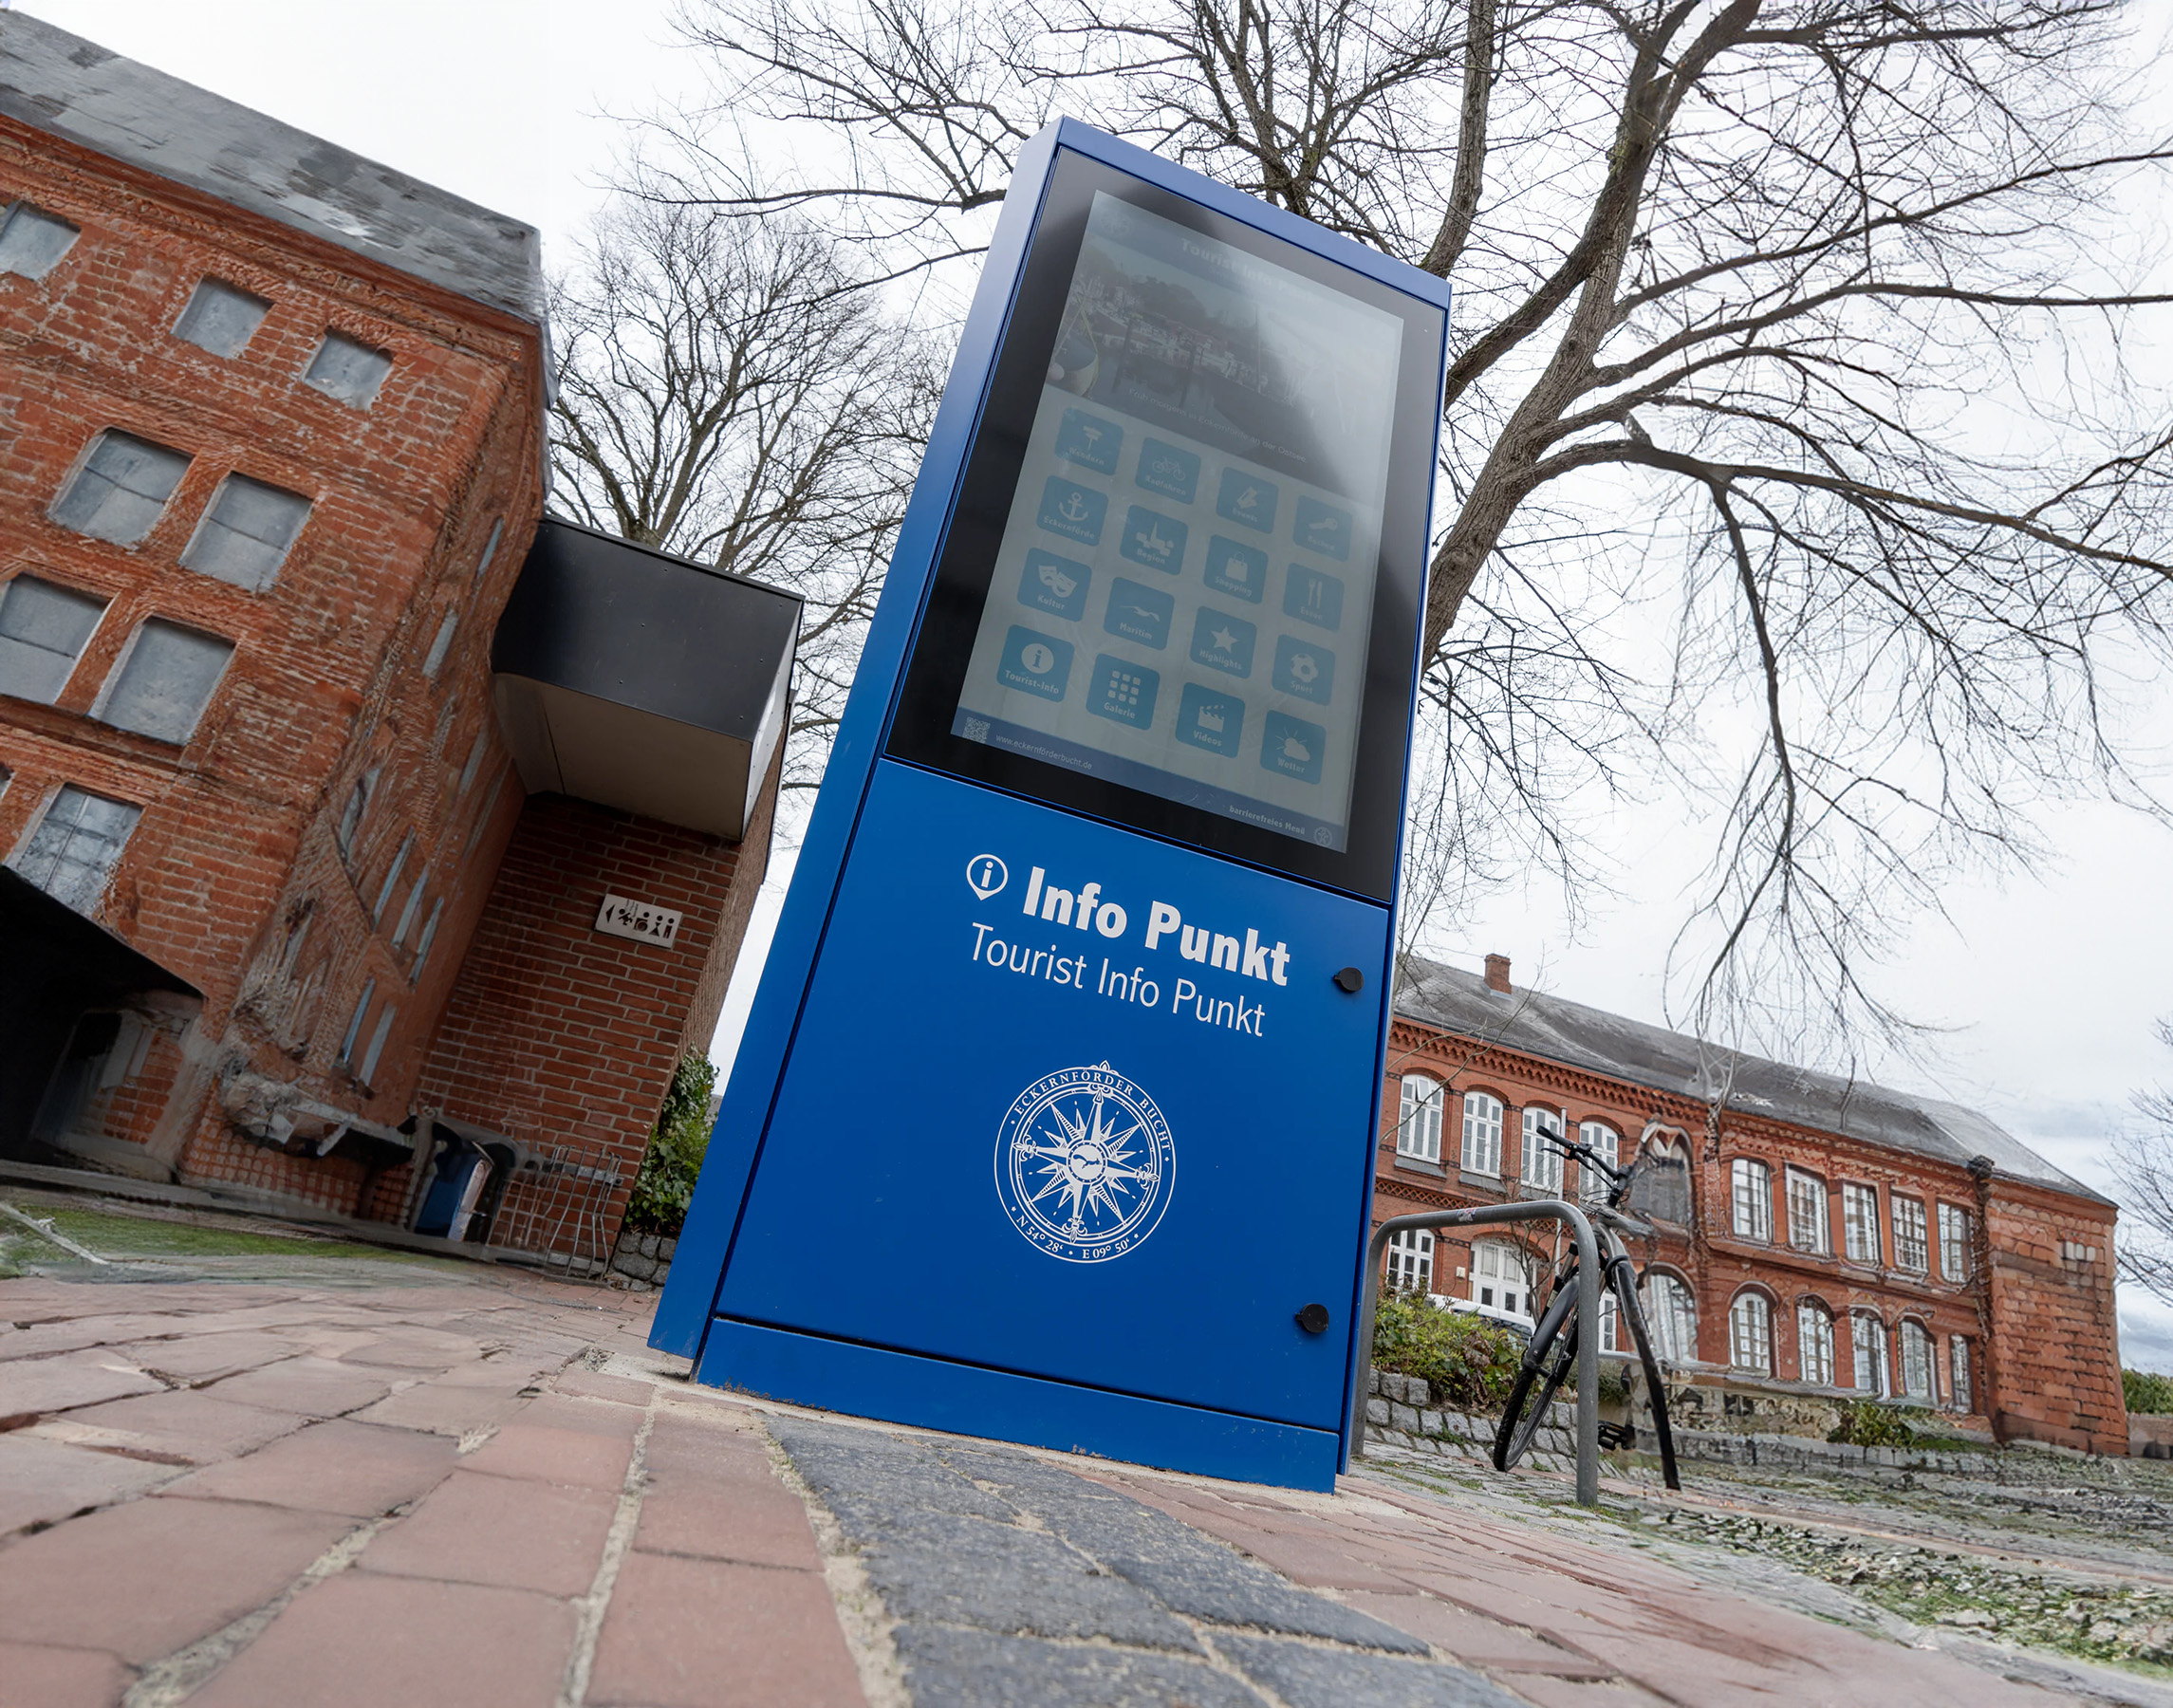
(1054, 1118)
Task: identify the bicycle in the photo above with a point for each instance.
(1551, 1354)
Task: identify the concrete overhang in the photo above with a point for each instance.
(636, 679)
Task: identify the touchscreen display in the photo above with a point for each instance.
(1183, 593)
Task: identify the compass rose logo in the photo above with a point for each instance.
(1084, 1164)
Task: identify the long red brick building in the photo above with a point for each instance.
(1816, 1237)
(367, 841)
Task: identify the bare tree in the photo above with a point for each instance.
(1793, 467)
(2143, 1166)
(727, 392)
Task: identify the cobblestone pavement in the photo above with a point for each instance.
(317, 1481)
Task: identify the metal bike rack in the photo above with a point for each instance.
(1588, 1284)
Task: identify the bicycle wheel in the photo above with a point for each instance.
(1547, 1365)
(1624, 1278)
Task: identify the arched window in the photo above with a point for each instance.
(1411, 1261)
(1751, 1333)
(1482, 1133)
(1806, 1218)
(1958, 1390)
(1661, 1192)
(1868, 1343)
(1670, 1318)
(1916, 1360)
(1592, 1183)
(1752, 1186)
(1419, 1125)
(1814, 1342)
(1542, 1161)
(1500, 1280)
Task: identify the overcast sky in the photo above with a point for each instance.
(2049, 986)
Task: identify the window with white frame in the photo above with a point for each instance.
(1867, 1348)
(1954, 1242)
(1610, 1322)
(1660, 1190)
(121, 489)
(1814, 1342)
(1499, 1281)
(1419, 1118)
(1482, 1133)
(165, 682)
(367, 1071)
(1602, 1137)
(1958, 1373)
(1411, 1261)
(355, 1021)
(1751, 1333)
(1860, 1222)
(1542, 1161)
(1807, 1223)
(1753, 1188)
(1670, 1317)
(1916, 1360)
(43, 629)
(77, 846)
(1909, 1249)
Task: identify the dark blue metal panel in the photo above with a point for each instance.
(937, 1006)
(839, 1376)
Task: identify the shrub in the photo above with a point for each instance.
(2146, 1392)
(666, 1182)
(1471, 1361)
(1867, 1423)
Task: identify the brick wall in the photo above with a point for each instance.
(2039, 1334)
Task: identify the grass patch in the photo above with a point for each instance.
(118, 1236)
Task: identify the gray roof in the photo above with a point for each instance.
(75, 89)
(1576, 1036)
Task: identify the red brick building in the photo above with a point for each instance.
(361, 830)
(1818, 1238)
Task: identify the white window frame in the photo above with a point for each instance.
(1671, 1317)
(1869, 1356)
(1482, 1133)
(1912, 1238)
(1750, 1199)
(1420, 1109)
(1502, 1278)
(1592, 1185)
(1860, 1222)
(1542, 1161)
(1751, 1332)
(1809, 1216)
(1814, 1342)
(1961, 1392)
(1920, 1358)
(1411, 1261)
(1956, 1241)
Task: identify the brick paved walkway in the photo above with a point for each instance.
(483, 1489)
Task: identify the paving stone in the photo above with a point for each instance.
(29, 1387)
(363, 1640)
(311, 1386)
(576, 1457)
(714, 1494)
(715, 1634)
(1183, 1569)
(493, 1530)
(589, 1416)
(1587, 1693)
(417, 1349)
(454, 1411)
(979, 1669)
(34, 1676)
(196, 1359)
(1306, 1676)
(71, 1333)
(361, 1468)
(1478, 1641)
(189, 1427)
(42, 1481)
(876, 1485)
(153, 1576)
(582, 1380)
